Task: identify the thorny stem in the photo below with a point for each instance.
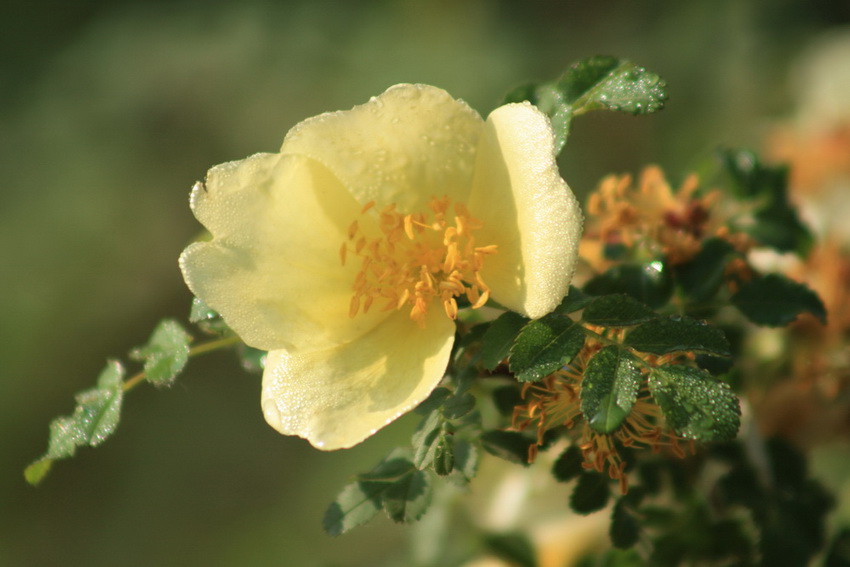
(196, 350)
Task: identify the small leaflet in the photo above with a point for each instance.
(93, 421)
(166, 353)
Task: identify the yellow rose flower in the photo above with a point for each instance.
(343, 254)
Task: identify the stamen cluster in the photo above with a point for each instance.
(555, 401)
(417, 258)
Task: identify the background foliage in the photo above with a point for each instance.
(111, 110)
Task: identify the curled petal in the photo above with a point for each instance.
(527, 210)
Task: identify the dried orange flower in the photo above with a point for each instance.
(649, 217)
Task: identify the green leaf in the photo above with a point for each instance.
(607, 83)
(651, 284)
(568, 466)
(394, 485)
(617, 310)
(678, 334)
(458, 405)
(509, 445)
(465, 462)
(165, 354)
(609, 388)
(624, 529)
(94, 419)
(695, 404)
(36, 471)
(506, 398)
(777, 222)
(207, 319)
(499, 337)
(575, 300)
(434, 401)
(514, 548)
(424, 440)
(750, 178)
(544, 346)
(444, 456)
(407, 499)
(775, 300)
(779, 226)
(354, 506)
(596, 83)
(591, 493)
(701, 278)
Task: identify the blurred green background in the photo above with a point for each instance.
(110, 110)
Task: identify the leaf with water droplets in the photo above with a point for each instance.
(165, 354)
(617, 310)
(544, 346)
(94, 419)
(607, 83)
(499, 338)
(596, 83)
(678, 334)
(609, 389)
(695, 404)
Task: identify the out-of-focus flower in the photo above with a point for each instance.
(345, 254)
(650, 218)
(816, 141)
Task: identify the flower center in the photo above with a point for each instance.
(417, 258)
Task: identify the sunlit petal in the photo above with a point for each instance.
(337, 397)
(273, 267)
(408, 144)
(527, 209)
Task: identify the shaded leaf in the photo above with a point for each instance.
(444, 457)
(458, 405)
(695, 404)
(702, 277)
(678, 334)
(465, 462)
(575, 300)
(591, 493)
(509, 445)
(775, 300)
(407, 499)
(651, 284)
(609, 388)
(514, 548)
(499, 337)
(355, 505)
(617, 310)
(394, 485)
(568, 466)
(544, 346)
(624, 529)
(424, 440)
(434, 401)
(506, 398)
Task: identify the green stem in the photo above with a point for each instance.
(196, 350)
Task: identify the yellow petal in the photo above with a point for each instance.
(273, 268)
(409, 144)
(337, 397)
(527, 209)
